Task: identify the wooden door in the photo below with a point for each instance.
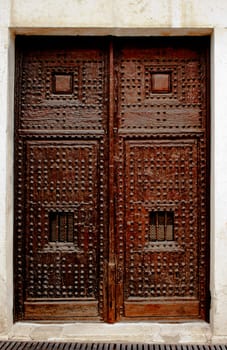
(111, 169)
(61, 193)
(162, 179)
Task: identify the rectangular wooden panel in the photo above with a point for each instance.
(161, 176)
(61, 310)
(181, 309)
(63, 84)
(62, 181)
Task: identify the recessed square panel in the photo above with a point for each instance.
(62, 84)
(160, 82)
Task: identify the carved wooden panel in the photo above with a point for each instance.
(63, 89)
(162, 180)
(173, 188)
(62, 179)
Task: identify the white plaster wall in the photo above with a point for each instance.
(219, 203)
(131, 17)
(119, 13)
(6, 156)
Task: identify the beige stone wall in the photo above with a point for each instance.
(118, 17)
(119, 13)
(6, 185)
(219, 183)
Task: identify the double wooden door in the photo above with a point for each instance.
(111, 179)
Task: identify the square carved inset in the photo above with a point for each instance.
(62, 84)
(160, 82)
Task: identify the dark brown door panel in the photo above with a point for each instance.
(162, 181)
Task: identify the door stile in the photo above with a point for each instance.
(111, 232)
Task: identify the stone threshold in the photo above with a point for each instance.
(141, 332)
